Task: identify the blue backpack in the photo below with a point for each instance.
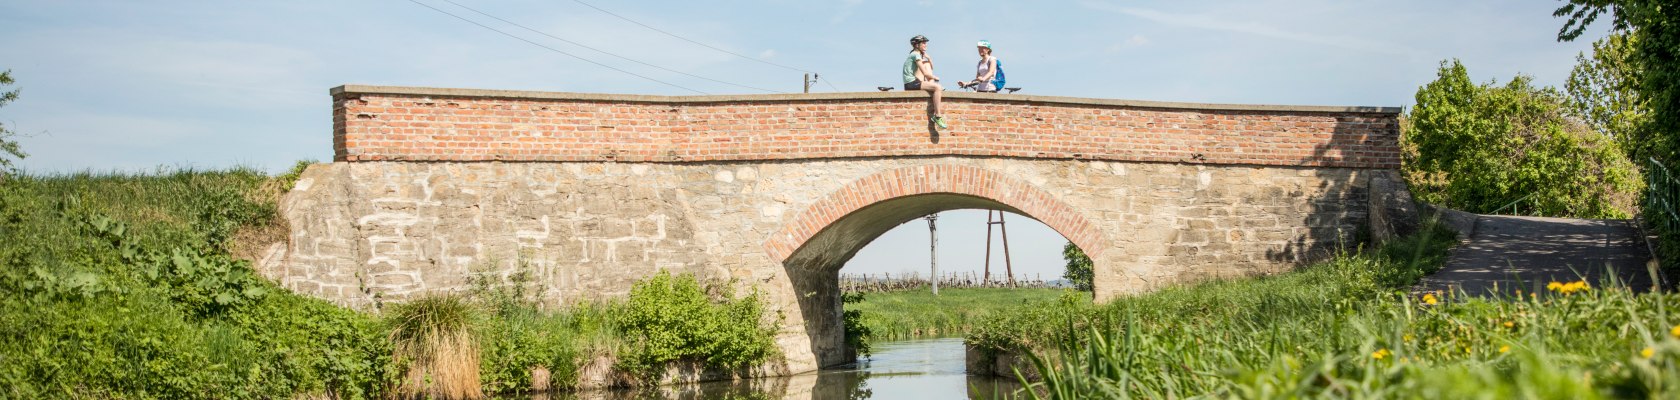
(997, 79)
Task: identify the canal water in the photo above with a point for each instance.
(926, 369)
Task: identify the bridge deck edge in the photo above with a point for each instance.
(989, 97)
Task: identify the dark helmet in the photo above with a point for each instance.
(918, 39)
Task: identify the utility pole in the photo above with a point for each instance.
(933, 255)
(1008, 268)
(810, 79)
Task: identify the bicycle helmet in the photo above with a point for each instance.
(918, 39)
(984, 43)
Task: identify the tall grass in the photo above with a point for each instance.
(433, 339)
(1347, 328)
(1232, 308)
(1603, 343)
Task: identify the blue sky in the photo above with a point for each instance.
(125, 85)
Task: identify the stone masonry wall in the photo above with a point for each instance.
(588, 193)
(368, 232)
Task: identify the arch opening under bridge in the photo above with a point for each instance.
(835, 228)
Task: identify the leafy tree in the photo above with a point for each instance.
(1483, 147)
(8, 148)
(1604, 90)
(1654, 27)
(1078, 267)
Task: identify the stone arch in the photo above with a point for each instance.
(1015, 194)
(816, 243)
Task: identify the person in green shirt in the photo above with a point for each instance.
(918, 75)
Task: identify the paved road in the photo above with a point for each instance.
(1528, 252)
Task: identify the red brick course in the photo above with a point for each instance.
(928, 179)
(418, 124)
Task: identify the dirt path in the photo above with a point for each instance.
(1526, 253)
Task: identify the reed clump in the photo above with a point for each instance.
(433, 339)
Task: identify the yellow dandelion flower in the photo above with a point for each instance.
(1509, 324)
(1554, 286)
(1504, 349)
(1675, 332)
(1429, 298)
(1647, 353)
(1381, 353)
(1409, 337)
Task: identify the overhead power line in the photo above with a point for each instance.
(606, 52)
(691, 40)
(554, 49)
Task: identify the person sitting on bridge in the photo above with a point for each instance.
(918, 75)
(985, 72)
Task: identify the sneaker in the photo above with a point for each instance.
(940, 122)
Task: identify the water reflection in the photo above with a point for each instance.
(912, 369)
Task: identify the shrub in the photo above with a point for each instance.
(516, 336)
(858, 334)
(1483, 148)
(671, 318)
(1078, 267)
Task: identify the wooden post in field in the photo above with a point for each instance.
(933, 257)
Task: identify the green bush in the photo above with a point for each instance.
(512, 345)
(1078, 267)
(1514, 149)
(672, 318)
(517, 335)
(858, 333)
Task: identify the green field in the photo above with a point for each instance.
(911, 314)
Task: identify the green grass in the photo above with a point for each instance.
(913, 314)
(124, 286)
(128, 286)
(1347, 328)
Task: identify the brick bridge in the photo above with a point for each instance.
(589, 192)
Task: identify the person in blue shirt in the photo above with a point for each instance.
(918, 75)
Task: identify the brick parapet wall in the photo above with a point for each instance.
(426, 124)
